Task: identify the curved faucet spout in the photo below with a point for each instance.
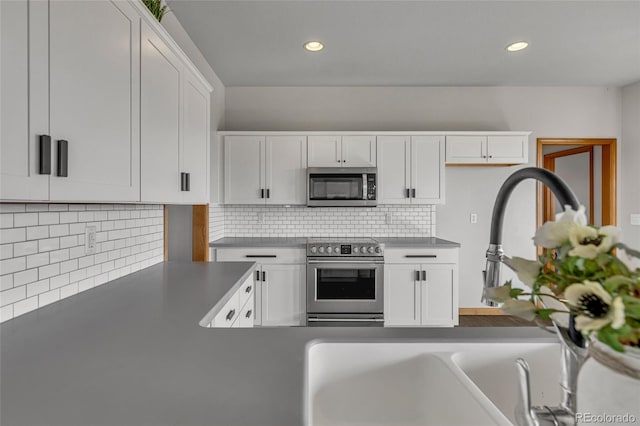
(495, 254)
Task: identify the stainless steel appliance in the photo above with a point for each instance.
(345, 282)
(342, 186)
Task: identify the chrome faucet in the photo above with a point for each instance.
(572, 343)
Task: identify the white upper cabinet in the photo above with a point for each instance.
(94, 79)
(194, 151)
(411, 169)
(160, 120)
(487, 149)
(243, 169)
(285, 170)
(265, 170)
(325, 151)
(86, 75)
(342, 151)
(19, 150)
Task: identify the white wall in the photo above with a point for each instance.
(547, 111)
(630, 152)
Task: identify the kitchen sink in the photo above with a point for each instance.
(411, 383)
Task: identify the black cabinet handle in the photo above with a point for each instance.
(183, 181)
(247, 290)
(417, 275)
(231, 314)
(257, 275)
(268, 193)
(262, 193)
(252, 256)
(424, 275)
(44, 145)
(188, 182)
(418, 256)
(413, 193)
(264, 276)
(248, 314)
(63, 158)
(408, 193)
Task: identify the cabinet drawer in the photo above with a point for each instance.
(246, 290)
(416, 255)
(229, 313)
(261, 255)
(245, 320)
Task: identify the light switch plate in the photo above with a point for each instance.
(388, 218)
(634, 218)
(473, 218)
(90, 240)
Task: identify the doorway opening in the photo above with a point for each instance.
(590, 167)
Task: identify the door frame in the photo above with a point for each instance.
(609, 175)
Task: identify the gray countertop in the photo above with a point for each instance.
(426, 242)
(131, 353)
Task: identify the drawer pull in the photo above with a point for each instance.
(247, 290)
(231, 314)
(248, 314)
(418, 256)
(253, 256)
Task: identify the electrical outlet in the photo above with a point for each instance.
(473, 218)
(388, 218)
(260, 218)
(634, 219)
(90, 240)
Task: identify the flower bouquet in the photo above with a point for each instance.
(579, 274)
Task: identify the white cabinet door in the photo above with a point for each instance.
(94, 78)
(19, 178)
(195, 141)
(358, 151)
(286, 168)
(245, 320)
(324, 151)
(507, 149)
(427, 169)
(401, 295)
(243, 169)
(282, 293)
(160, 120)
(394, 164)
(466, 149)
(439, 301)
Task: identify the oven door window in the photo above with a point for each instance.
(335, 187)
(345, 284)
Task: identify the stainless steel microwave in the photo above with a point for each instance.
(342, 187)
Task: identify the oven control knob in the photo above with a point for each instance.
(363, 249)
(336, 250)
(378, 250)
(370, 250)
(321, 249)
(329, 249)
(314, 249)
(355, 250)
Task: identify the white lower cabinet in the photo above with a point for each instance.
(279, 283)
(421, 294)
(238, 311)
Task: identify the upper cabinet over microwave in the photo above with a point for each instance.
(342, 151)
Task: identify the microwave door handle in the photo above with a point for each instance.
(364, 186)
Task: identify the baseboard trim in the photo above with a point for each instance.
(480, 311)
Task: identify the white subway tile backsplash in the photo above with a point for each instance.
(42, 249)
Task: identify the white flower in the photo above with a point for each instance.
(498, 294)
(527, 270)
(597, 308)
(550, 302)
(589, 242)
(554, 234)
(520, 308)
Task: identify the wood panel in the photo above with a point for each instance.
(480, 311)
(200, 238)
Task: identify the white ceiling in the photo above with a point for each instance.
(416, 43)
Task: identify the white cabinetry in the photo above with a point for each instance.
(420, 288)
(342, 151)
(237, 312)
(279, 282)
(487, 149)
(265, 170)
(411, 169)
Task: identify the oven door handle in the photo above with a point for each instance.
(346, 262)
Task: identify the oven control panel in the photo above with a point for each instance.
(369, 248)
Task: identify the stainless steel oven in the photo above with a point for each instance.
(345, 282)
(342, 186)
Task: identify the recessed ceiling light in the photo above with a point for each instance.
(314, 46)
(518, 45)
